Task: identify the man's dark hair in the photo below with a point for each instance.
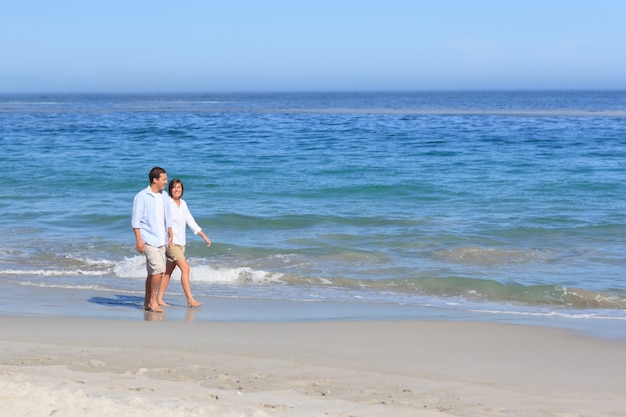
(155, 173)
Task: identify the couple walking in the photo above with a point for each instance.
(159, 221)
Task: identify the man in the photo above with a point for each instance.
(152, 226)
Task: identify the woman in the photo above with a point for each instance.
(181, 217)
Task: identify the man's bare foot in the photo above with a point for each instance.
(153, 309)
(194, 303)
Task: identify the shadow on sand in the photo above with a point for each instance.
(119, 301)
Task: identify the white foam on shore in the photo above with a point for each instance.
(463, 112)
(51, 272)
(134, 267)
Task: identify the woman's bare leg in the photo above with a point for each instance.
(185, 271)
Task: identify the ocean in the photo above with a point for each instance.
(499, 206)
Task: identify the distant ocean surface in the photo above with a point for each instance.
(509, 205)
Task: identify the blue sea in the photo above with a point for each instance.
(496, 206)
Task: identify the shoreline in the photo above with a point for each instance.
(68, 366)
(18, 300)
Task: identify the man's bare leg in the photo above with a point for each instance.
(150, 300)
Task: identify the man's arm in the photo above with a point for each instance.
(138, 240)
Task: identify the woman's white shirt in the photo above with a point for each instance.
(181, 217)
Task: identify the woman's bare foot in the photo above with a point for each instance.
(194, 303)
(163, 303)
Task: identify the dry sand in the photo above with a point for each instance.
(91, 367)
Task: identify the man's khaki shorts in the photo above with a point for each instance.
(155, 259)
(175, 253)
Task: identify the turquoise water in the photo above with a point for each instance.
(510, 204)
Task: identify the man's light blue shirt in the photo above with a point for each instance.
(144, 217)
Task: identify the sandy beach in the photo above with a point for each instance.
(96, 367)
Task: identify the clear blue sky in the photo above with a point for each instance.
(304, 45)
